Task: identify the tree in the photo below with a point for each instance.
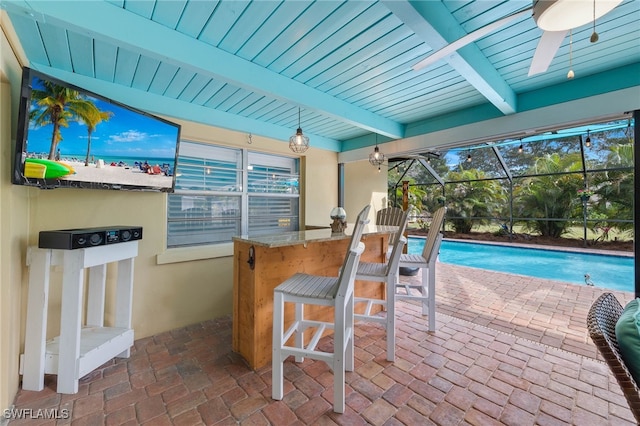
(471, 198)
(615, 187)
(57, 105)
(549, 197)
(91, 116)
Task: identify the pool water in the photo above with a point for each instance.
(607, 271)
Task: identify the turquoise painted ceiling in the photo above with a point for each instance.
(250, 65)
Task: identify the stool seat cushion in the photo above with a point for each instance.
(628, 336)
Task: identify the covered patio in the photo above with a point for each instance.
(507, 349)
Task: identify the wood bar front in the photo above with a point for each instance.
(262, 263)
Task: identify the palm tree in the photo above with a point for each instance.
(56, 105)
(471, 198)
(91, 116)
(551, 195)
(615, 187)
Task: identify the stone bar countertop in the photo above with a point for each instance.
(303, 237)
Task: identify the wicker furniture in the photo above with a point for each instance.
(601, 322)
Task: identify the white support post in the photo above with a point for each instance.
(96, 295)
(70, 321)
(39, 262)
(124, 298)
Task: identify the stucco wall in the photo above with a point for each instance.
(364, 185)
(13, 233)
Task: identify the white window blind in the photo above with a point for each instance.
(223, 192)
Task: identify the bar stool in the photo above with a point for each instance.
(384, 273)
(305, 289)
(390, 216)
(427, 262)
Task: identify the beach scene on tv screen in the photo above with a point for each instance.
(75, 137)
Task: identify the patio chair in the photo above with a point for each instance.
(306, 289)
(601, 322)
(426, 291)
(384, 273)
(390, 216)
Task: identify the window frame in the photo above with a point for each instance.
(244, 194)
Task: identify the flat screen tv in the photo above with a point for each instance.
(71, 137)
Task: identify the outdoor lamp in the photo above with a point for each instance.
(299, 143)
(339, 224)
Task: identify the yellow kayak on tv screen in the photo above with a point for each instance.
(39, 168)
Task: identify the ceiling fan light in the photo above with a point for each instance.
(563, 15)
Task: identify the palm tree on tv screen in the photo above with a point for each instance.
(91, 116)
(58, 105)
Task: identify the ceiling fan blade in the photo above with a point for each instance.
(547, 47)
(469, 38)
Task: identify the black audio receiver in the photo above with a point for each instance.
(70, 239)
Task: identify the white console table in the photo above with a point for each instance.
(79, 349)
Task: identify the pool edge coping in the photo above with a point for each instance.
(541, 247)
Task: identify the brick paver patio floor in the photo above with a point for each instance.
(507, 350)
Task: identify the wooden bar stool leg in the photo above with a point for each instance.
(339, 355)
(349, 354)
(425, 291)
(277, 375)
(431, 297)
(391, 318)
(299, 334)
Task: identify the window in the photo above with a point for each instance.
(223, 192)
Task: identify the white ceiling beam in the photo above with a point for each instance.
(96, 18)
(434, 24)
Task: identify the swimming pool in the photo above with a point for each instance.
(612, 272)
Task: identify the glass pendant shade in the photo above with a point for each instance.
(338, 213)
(299, 143)
(376, 158)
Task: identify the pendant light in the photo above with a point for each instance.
(376, 158)
(594, 35)
(570, 74)
(587, 142)
(299, 143)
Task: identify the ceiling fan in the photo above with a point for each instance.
(554, 17)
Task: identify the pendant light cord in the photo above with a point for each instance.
(594, 35)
